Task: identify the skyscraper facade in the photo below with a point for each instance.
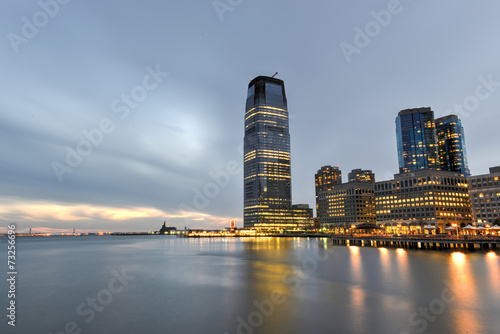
(451, 145)
(416, 140)
(267, 177)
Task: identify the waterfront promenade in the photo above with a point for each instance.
(426, 241)
(419, 241)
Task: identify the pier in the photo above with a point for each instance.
(434, 242)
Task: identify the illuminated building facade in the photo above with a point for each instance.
(326, 178)
(267, 177)
(416, 140)
(424, 197)
(360, 175)
(485, 196)
(451, 144)
(348, 203)
(302, 216)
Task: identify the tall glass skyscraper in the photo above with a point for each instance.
(267, 178)
(416, 140)
(451, 144)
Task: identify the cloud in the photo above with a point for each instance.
(26, 213)
(43, 211)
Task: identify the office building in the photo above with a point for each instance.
(326, 178)
(485, 197)
(416, 140)
(347, 203)
(413, 199)
(451, 145)
(302, 216)
(267, 177)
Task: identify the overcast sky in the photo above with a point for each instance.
(151, 97)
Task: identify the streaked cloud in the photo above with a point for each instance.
(31, 213)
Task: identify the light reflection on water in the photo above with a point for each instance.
(494, 273)
(355, 265)
(217, 285)
(402, 267)
(467, 313)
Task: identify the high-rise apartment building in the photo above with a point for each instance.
(451, 144)
(416, 140)
(267, 177)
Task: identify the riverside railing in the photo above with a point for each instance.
(416, 237)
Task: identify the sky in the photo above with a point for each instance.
(119, 115)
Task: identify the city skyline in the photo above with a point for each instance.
(118, 117)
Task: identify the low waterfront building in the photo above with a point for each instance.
(485, 196)
(297, 217)
(167, 229)
(302, 214)
(423, 198)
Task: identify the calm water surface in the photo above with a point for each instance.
(162, 284)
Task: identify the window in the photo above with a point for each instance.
(251, 91)
(274, 95)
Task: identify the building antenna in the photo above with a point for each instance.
(274, 75)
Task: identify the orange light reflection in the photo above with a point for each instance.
(492, 261)
(464, 291)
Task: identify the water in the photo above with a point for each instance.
(162, 284)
